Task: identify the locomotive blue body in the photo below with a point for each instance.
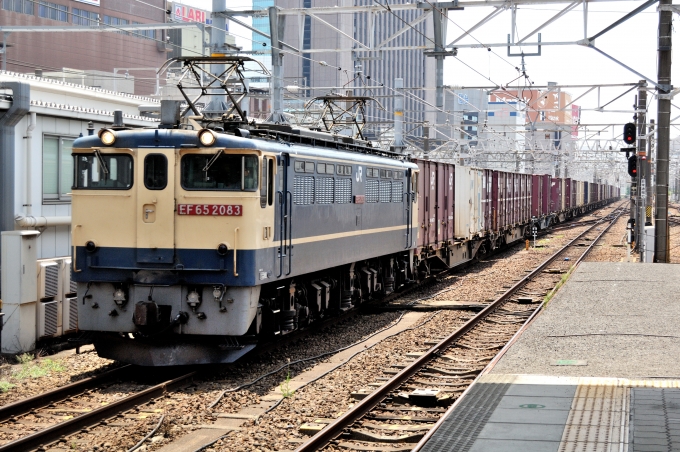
(185, 253)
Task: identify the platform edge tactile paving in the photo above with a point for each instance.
(461, 428)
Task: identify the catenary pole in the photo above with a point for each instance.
(643, 166)
(663, 131)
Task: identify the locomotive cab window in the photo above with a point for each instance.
(267, 182)
(155, 171)
(220, 171)
(103, 171)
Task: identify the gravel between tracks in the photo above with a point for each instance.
(186, 409)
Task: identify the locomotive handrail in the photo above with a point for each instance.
(408, 219)
(279, 193)
(235, 250)
(289, 228)
(75, 251)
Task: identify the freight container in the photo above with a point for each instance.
(487, 199)
(547, 187)
(536, 196)
(556, 195)
(445, 197)
(435, 203)
(503, 201)
(427, 199)
(468, 208)
(579, 194)
(525, 198)
(567, 193)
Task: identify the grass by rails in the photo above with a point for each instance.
(31, 368)
(559, 284)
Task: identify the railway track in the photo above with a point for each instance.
(38, 421)
(51, 417)
(398, 410)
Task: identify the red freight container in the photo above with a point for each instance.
(547, 190)
(427, 199)
(487, 198)
(568, 194)
(536, 196)
(495, 199)
(506, 200)
(522, 197)
(556, 195)
(445, 200)
(514, 190)
(503, 202)
(526, 198)
(435, 202)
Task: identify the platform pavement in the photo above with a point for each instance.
(597, 370)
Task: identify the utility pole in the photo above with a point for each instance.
(399, 116)
(276, 30)
(643, 169)
(663, 131)
(439, 22)
(218, 37)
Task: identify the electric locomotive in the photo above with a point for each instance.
(189, 244)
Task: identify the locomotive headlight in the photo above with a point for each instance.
(206, 137)
(193, 299)
(217, 293)
(107, 136)
(119, 297)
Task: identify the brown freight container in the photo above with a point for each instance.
(427, 199)
(445, 198)
(536, 195)
(503, 200)
(487, 184)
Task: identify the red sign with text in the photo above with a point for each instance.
(219, 210)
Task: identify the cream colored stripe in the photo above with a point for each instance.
(339, 235)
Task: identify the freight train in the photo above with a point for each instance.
(193, 240)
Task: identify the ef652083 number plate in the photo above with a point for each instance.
(220, 210)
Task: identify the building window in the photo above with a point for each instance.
(150, 34)
(18, 6)
(118, 22)
(84, 17)
(53, 11)
(57, 168)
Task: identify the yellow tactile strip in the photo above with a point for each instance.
(599, 413)
(598, 420)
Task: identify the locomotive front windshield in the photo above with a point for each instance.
(219, 171)
(103, 171)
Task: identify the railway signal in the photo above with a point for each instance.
(629, 133)
(632, 166)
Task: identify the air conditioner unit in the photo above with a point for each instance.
(49, 277)
(69, 287)
(70, 300)
(48, 319)
(50, 296)
(70, 317)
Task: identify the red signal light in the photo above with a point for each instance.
(629, 133)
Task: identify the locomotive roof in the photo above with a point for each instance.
(177, 138)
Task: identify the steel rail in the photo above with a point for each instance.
(335, 428)
(500, 354)
(25, 405)
(71, 426)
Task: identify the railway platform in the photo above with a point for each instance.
(597, 370)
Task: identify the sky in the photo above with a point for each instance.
(634, 43)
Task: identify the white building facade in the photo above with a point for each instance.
(39, 120)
